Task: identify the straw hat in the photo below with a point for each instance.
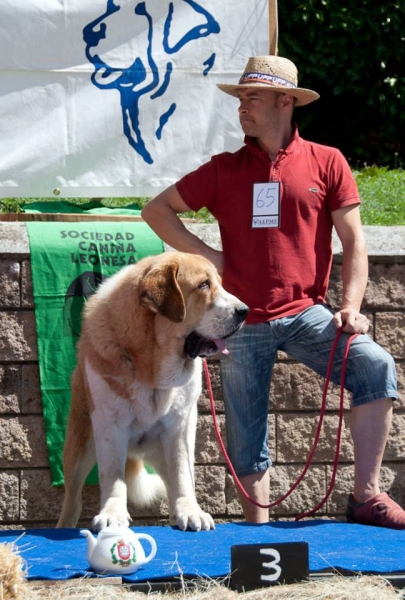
(275, 72)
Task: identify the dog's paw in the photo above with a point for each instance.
(188, 515)
(104, 519)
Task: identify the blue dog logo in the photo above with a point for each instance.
(147, 74)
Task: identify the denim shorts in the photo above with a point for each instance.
(307, 337)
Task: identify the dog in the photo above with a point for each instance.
(136, 385)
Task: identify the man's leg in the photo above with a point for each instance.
(371, 377)
(257, 487)
(369, 425)
(245, 380)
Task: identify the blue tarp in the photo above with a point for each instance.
(57, 554)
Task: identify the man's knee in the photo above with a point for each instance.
(373, 375)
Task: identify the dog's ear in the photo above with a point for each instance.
(160, 292)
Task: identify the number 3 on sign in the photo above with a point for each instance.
(274, 564)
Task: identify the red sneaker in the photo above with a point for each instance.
(380, 510)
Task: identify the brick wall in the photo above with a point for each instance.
(27, 498)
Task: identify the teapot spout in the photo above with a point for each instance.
(91, 542)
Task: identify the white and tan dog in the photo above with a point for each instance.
(136, 384)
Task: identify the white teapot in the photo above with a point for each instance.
(117, 550)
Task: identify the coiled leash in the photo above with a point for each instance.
(317, 435)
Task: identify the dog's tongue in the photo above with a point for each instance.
(220, 344)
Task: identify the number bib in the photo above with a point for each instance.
(266, 204)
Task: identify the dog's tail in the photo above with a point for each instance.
(143, 488)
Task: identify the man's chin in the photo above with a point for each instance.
(249, 129)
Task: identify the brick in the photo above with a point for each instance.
(207, 449)
(13, 239)
(18, 338)
(296, 434)
(233, 506)
(386, 287)
(22, 442)
(9, 496)
(396, 441)
(392, 480)
(31, 400)
(10, 386)
(27, 295)
(334, 294)
(336, 504)
(401, 385)
(215, 378)
(210, 488)
(304, 497)
(90, 500)
(389, 332)
(10, 284)
(15, 449)
(39, 500)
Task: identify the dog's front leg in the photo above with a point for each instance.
(178, 448)
(111, 449)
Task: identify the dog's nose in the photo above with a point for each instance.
(241, 312)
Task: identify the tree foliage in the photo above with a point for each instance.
(352, 52)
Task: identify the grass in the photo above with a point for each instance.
(383, 195)
(332, 588)
(382, 192)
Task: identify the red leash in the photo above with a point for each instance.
(317, 435)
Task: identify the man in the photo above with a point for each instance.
(276, 201)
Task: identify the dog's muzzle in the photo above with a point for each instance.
(197, 345)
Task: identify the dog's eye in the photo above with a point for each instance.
(205, 285)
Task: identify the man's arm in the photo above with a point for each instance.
(354, 269)
(161, 214)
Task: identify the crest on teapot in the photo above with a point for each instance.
(123, 553)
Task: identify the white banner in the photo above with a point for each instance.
(118, 97)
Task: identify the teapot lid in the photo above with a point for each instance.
(114, 529)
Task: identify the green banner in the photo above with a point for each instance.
(68, 262)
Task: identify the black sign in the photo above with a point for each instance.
(260, 565)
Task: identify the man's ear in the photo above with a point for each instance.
(287, 101)
(160, 292)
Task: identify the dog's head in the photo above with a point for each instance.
(186, 289)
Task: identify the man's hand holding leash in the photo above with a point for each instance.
(351, 320)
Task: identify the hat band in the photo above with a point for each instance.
(267, 79)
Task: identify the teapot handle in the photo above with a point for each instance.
(149, 538)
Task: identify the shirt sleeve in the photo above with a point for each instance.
(199, 188)
(343, 190)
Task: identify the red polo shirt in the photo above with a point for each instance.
(276, 271)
